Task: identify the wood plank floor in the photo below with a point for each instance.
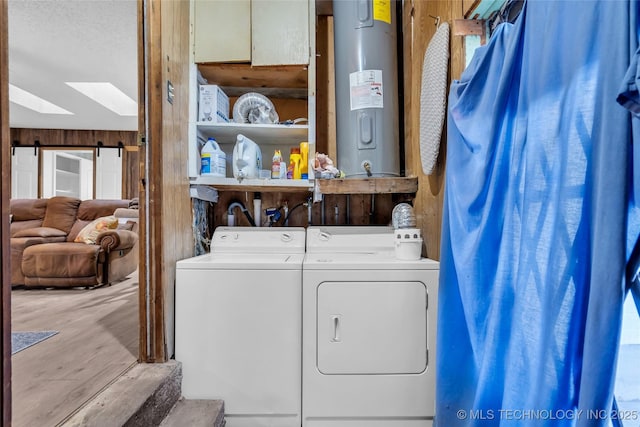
(96, 343)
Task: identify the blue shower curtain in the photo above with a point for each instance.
(539, 219)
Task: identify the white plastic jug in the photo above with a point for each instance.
(247, 158)
(213, 161)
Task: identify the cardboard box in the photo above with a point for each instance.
(213, 104)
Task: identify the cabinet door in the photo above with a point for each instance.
(280, 32)
(222, 30)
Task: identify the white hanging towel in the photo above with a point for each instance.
(433, 97)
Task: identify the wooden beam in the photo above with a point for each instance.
(73, 137)
(324, 7)
(368, 185)
(166, 205)
(470, 27)
(143, 330)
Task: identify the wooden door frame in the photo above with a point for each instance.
(150, 125)
(5, 269)
(152, 341)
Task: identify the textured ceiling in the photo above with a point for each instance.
(57, 41)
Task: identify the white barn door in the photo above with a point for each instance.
(24, 173)
(109, 174)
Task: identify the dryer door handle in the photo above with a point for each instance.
(335, 321)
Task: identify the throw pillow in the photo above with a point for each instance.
(90, 232)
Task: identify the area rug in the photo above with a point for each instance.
(22, 340)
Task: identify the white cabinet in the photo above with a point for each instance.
(222, 30)
(280, 32)
(289, 41)
(67, 173)
(261, 32)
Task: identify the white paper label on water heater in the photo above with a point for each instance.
(366, 89)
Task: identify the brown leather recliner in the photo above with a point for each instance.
(43, 251)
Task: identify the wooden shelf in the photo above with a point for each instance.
(247, 76)
(256, 185)
(368, 185)
(263, 134)
(401, 185)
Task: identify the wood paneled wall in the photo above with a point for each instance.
(130, 173)
(419, 28)
(5, 271)
(78, 138)
(339, 209)
(176, 206)
(167, 212)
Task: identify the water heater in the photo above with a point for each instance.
(366, 87)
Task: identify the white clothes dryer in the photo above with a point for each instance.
(238, 325)
(369, 331)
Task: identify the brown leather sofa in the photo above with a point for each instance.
(43, 251)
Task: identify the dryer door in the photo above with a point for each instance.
(372, 328)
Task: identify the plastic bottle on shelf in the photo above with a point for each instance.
(293, 171)
(276, 165)
(304, 162)
(296, 160)
(213, 161)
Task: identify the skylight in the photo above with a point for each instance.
(107, 95)
(33, 102)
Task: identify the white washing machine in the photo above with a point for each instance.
(238, 325)
(369, 331)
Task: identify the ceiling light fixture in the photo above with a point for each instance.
(34, 102)
(107, 95)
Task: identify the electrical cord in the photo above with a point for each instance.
(286, 218)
